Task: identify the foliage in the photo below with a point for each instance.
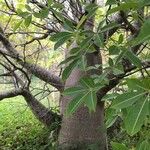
(123, 66)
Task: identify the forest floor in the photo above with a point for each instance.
(19, 129)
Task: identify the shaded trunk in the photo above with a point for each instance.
(82, 129)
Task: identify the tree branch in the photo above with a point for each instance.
(36, 70)
(10, 94)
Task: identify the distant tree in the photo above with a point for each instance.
(105, 70)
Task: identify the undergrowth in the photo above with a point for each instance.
(20, 130)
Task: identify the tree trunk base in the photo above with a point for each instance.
(82, 146)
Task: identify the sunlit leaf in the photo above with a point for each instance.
(28, 20)
(67, 71)
(144, 34)
(17, 25)
(124, 6)
(136, 116)
(126, 99)
(118, 146)
(76, 103)
(133, 58)
(91, 101)
(74, 91)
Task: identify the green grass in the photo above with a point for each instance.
(19, 129)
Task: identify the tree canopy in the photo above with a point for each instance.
(107, 41)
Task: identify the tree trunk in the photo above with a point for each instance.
(82, 130)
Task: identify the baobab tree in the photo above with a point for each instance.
(104, 43)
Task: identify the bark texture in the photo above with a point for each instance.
(83, 130)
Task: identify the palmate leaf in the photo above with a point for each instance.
(133, 58)
(87, 82)
(67, 60)
(111, 116)
(17, 25)
(61, 41)
(145, 145)
(42, 14)
(74, 91)
(124, 6)
(60, 38)
(82, 20)
(88, 98)
(144, 34)
(118, 146)
(126, 99)
(99, 40)
(28, 21)
(136, 84)
(91, 101)
(84, 94)
(136, 116)
(67, 71)
(76, 103)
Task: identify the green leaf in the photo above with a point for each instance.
(73, 91)
(110, 2)
(17, 25)
(49, 2)
(133, 58)
(99, 40)
(111, 116)
(60, 35)
(60, 38)
(85, 94)
(69, 69)
(75, 103)
(109, 26)
(120, 39)
(91, 101)
(82, 20)
(126, 99)
(91, 8)
(114, 50)
(75, 50)
(110, 97)
(118, 69)
(22, 13)
(118, 146)
(110, 62)
(82, 63)
(124, 6)
(58, 14)
(28, 20)
(121, 55)
(86, 42)
(145, 145)
(58, 5)
(68, 25)
(61, 41)
(136, 116)
(42, 14)
(87, 82)
(144, 34)
(67, 60)
(28, 7)
(136, 84)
